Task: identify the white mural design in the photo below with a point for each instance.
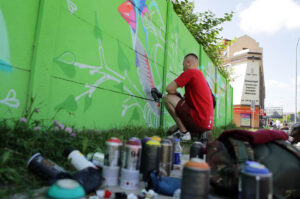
(71, 6)
(11, 99)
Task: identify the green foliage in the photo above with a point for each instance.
(205, 27)
(19, 144)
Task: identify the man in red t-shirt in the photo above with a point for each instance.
(194, 113)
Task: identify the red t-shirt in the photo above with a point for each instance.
(198, 96)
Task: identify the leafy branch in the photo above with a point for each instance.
(205, 27)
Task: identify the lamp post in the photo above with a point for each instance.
(296, 83)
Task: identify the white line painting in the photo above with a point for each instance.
(11, 99)
(71, 6)
(107, 74)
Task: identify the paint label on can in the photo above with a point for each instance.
(177, 158)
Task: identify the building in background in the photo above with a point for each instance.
(245, 57)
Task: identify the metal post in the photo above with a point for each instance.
(296, 84)
(253, 118)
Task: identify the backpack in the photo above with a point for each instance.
(226, 158)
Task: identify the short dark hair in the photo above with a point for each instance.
(191, 54)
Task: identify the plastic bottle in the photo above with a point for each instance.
(177, 154)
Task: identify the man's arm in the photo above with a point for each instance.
(172, 87)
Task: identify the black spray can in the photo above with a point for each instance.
(152, 158)
(90, 179)
(144, 141)
(196, 150)
(255, 182)
(45, 168)
(195, 180)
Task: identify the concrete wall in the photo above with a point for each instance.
(93, 64)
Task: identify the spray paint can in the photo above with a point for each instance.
(132, 155)
(195, 180)
(45, 168)
(255, 182)
(89, 178)
(96, 158)
(77, 159)
(152, 158)
(173, 148)
(131, 165)
(113, 152)
(196, 150)
(166, 157)
(144, 141)
(138, 139)
(111, 166)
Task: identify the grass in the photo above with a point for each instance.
(23, 139)
(20, 143)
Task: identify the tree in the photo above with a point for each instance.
(205, 27)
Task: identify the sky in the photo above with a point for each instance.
(275, 25)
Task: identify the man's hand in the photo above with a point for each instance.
(156, 94)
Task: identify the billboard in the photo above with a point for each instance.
(246, 83)
(274, 112)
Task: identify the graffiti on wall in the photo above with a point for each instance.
(71, 6)
(11, 99)
(145, 71)
(4, 46)
(132, 13)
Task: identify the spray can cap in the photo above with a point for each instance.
(156, 138)
(255, 168)
(197, 163)
(135, 138)
(153, 143)
(135, 143)
(114, 140)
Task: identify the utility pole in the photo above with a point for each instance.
(296, 83)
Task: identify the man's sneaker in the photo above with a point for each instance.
(182, 136)
(185, 136)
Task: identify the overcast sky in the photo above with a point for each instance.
(275, 24)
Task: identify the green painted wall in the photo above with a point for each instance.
(93, 64)
(229, 103)
(220, 110)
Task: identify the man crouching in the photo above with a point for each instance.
(195, 112)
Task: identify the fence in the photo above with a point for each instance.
(93, 63)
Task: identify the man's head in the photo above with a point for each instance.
(190, 61)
